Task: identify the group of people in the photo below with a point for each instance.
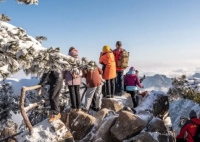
(113, 66)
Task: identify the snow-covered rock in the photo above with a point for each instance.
(46, 132)
(127, 125)
(155, 102)
(80, 124)
(156, 125)
(142, 137)
(112, 104)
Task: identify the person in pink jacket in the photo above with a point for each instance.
(131, 81)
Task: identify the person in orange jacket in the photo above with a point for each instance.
(190, 127)
(107, 59)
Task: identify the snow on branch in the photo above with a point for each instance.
(40, 38)
(19, 50)
(4, 18)
(28, 2)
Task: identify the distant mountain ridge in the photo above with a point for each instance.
(197, 75)
(157, 82)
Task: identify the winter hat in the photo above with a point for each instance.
(192, 114)
(119, 43)
(106, 48)
(71, 48)
(132, 69)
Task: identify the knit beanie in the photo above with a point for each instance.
(132, 69)
(192, 114)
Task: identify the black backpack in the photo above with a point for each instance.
(196, 137)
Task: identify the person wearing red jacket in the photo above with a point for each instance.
(119, 81)
(190, 127)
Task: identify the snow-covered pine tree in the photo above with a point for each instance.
(8, 103)
(28, 2)
(185, 88)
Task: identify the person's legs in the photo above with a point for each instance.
(98, 97)
(133, 98)
(78, 97)
(116, 84)
(54, 97)
(72, 96)
(112, 84)
(108, 88)
(89, 96)
(120, 82)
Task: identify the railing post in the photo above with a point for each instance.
(23, 112)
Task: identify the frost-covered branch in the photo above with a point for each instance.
(4, 18)
(28, 2)
(40, 38)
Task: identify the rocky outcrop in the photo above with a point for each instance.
(156, 125)
(111, 104)
(80, 124)
(127, 125)
(104, 131)
(99, 116)
(142, 137)
(155, 102)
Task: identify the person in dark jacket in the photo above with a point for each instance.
(73, 82)
(190, 127)
(55, 80)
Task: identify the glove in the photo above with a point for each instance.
(144, 76)
(142, 86)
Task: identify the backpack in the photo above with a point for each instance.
(123, 59)
(196, 137)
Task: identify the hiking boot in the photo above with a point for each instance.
(78, 109)
(54, 117)
(85, 110)
(108, 96)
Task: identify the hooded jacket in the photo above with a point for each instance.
(93, 78)
(191, 128)
(131, 81)
(107, 59)
(68, 76)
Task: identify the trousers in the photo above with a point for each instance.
(91, 92)
(133, 96)
(74, 92)
(54, 93)
(119, 82)
(110, 87)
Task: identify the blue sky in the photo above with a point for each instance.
(158, 34)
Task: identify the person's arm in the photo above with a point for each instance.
(182, 133)
(100, 71)
(138, 82)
